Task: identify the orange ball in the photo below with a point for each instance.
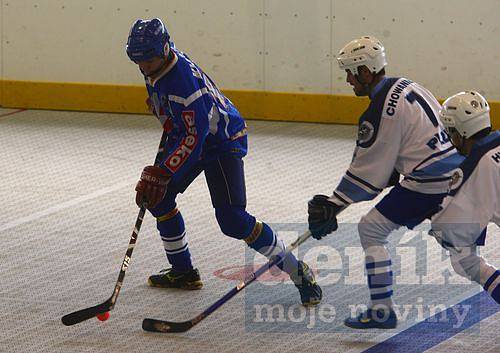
(103, 317)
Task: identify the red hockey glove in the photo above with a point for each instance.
(152, 186)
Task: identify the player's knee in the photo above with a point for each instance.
(234, 221)
(457, 267)
(165, 206)
(367, 234)
(466, 266)
(373, 229)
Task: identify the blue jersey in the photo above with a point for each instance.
(199, 122)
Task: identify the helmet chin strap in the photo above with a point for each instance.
(462, 144)
(168, 56)
(166, 60)
(366, 86)
(154, 73)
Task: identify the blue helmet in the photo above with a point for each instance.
(147, 39)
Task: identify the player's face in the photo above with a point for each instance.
(457, 140)
(151, 66)
(357, 87)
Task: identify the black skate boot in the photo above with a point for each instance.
(310, 291)
(170, 278)
(373, 319)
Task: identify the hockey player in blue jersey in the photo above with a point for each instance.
(474, 198)
(203, 132)
(399, 134)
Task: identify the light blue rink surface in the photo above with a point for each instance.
(67, 202)
(431, 332)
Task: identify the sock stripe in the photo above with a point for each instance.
(168, 216)
(378, 270)
(270, 250)
(167, 238)
(381, 295)
(380, 280)
(490, 280)
(172, 245)
(256, 232)
(269, 245)
(176, 251)
(380, 290)
(378, 264)
(278, 248)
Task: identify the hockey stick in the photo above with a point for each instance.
(88, 313)
(153, 325)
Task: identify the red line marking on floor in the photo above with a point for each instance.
(12, 113)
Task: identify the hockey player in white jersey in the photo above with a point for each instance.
(474, 199)
(399, 133)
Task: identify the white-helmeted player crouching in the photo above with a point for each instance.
(474, 199)
(399, 133)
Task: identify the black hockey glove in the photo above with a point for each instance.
(322, 216)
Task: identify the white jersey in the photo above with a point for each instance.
(474, 198)
(399, 131)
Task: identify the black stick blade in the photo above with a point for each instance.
(152, 325)
(85, 314)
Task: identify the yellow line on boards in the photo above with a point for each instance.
(113, 98)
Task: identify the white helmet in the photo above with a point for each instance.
(366, 51)
(467, 112)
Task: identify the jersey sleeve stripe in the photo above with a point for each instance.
(434, 155)
(360, 184)
(341, 199)
(189, 100)
(212, 125)
(365, 183)
(440, 167)
(344, 197)
(354, 192)
(430, 180)
(226, 119)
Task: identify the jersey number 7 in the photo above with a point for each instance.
(414, 96)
